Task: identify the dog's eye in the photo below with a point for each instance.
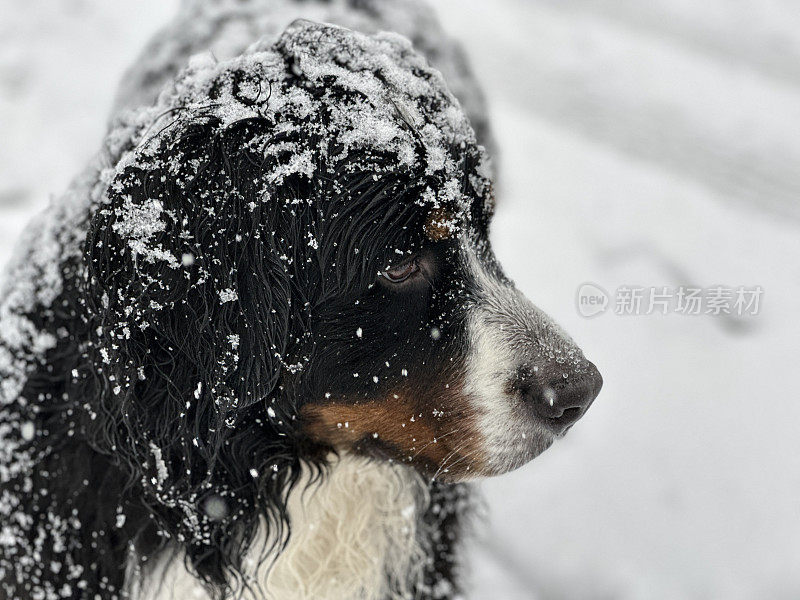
(401, 272)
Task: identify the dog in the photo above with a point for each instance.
(262, 345)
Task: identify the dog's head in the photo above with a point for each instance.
(299, 249)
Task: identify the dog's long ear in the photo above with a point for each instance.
(188, 285)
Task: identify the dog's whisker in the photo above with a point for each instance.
(435, 440)
(443, 464)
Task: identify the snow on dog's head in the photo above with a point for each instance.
(296, 248)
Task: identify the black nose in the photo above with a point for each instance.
(560, 401)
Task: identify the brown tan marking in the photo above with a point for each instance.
(440, 225)
(435, 435)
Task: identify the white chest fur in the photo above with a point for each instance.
(354, 537)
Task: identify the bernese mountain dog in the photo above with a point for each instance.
(261, 345)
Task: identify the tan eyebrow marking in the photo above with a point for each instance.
(440, 225)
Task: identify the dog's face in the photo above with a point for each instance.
(305, 253)
(443, 364)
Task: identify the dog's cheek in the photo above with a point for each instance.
(435, 435)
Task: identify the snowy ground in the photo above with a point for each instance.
(647, 143)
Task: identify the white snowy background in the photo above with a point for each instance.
(652, 143)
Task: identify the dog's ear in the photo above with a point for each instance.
(188, 285)
(195, 318)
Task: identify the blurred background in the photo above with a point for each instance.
(643, 143)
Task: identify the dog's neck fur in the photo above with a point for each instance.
(355, 535)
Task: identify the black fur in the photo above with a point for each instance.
(150, 363)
